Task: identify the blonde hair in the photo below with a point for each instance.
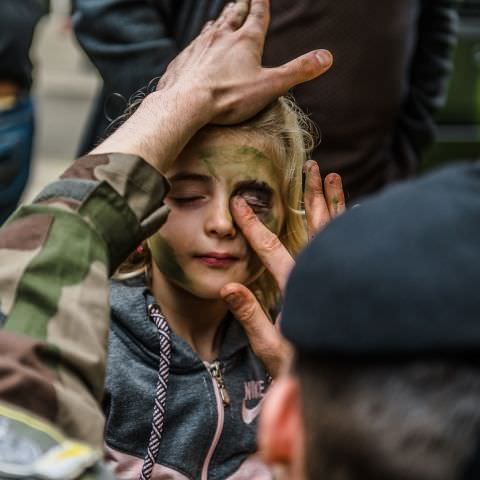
(291, 136)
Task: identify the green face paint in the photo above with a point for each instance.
(204, 179)
(235, 166)
(335, 203)
(207, 160)
(240, 163)
(164, 256)
(234, 162)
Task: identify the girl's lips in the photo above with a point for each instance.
(219, 260)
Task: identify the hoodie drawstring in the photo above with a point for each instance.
(158, 318)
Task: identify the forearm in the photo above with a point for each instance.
(129, 41)
(431, 67)
(433, 60)
(55, 256)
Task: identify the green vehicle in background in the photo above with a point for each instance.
(459, 121)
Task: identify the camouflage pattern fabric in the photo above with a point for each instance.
(55, 258)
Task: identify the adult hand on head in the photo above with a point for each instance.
(323, 201)
(225, 63)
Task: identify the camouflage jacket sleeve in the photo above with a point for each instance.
(55, 257)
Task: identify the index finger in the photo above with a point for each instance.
(265, 243)
(258, 18)
(334, 194)
(316, 209)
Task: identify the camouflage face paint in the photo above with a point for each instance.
(235, 162)
(164, 256)
(242, 165)
(207, 161)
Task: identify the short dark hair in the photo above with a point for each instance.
(415, 420)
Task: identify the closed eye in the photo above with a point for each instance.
(186, 200)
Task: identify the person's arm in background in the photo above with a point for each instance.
(18, 20)
(428, 80)
(129, 41)
(55, 255)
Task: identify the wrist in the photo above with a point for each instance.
(162, 125)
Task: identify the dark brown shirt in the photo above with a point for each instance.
(374, 107)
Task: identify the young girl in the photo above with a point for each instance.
(180, 368)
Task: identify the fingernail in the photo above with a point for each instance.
(324, 57)
(334, 179)
(314, 168)
(233, 300)
(240, 205)
(307, 166)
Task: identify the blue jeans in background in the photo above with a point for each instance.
(16, 142)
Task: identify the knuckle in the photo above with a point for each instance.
(236, 21)
(208, 26)
(259, 14)
(247, 311)
(214, 34)
(314, 188)
(271, 242)
(259, 11)
(249, 35)
(308, 66)
(249, 219)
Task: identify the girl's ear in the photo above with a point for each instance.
(281, 436)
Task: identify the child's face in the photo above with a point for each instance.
(200, 248)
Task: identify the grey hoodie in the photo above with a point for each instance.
(202, 437)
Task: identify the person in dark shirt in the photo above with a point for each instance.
(375, 108)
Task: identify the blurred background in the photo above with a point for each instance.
(66, 84)
(459, 120)
(64, 87)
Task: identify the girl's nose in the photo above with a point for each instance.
(220, 221)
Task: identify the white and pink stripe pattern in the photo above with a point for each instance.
(157, 317)
(127, 467)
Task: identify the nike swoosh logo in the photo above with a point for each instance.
(250, 414)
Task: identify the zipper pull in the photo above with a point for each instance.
(216, 373)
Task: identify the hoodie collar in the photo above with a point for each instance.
(129, 302)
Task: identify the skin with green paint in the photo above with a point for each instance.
(164, 255)
(211, 170)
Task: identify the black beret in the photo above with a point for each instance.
(399, 275)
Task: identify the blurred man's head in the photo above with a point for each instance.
(383, 312)
(367, 421)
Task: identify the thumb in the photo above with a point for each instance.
(246, 308)
(265, 340)
(302, 69)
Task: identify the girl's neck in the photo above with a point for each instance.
(194, 319)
